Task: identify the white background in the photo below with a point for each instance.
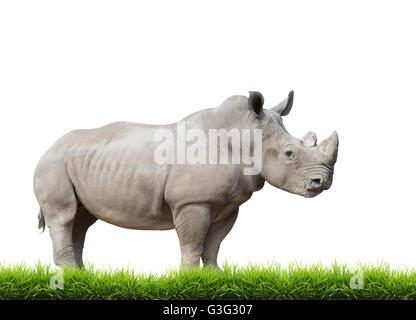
(82, 64)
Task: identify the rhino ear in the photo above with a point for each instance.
(284, 107)
(255, 103)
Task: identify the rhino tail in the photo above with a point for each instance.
(41, 219)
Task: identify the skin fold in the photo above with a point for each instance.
(110, 173)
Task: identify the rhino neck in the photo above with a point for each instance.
(231, 114)
(253, 183)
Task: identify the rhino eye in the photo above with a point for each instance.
(288, 153)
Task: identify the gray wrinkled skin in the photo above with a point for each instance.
(109, 173)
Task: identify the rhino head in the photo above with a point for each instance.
(299, 166)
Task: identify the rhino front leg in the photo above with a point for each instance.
(192, 224)
(214, 239)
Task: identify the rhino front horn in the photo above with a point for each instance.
(330, 146)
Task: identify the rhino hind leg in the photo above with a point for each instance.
(59, 205)
(214, 239)
(83, 220)
(68, 239)
(63, 249)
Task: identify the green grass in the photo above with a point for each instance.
(251, 282)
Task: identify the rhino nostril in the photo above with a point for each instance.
(316, 182)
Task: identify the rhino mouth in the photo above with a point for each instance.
(305, 191)
(310, 193)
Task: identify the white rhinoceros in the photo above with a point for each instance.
(111, 173)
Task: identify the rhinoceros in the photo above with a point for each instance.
(111, 173)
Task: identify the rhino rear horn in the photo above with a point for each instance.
(284, 107)
(330, 146)
(309, 139)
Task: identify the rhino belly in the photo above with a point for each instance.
(125, 192)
